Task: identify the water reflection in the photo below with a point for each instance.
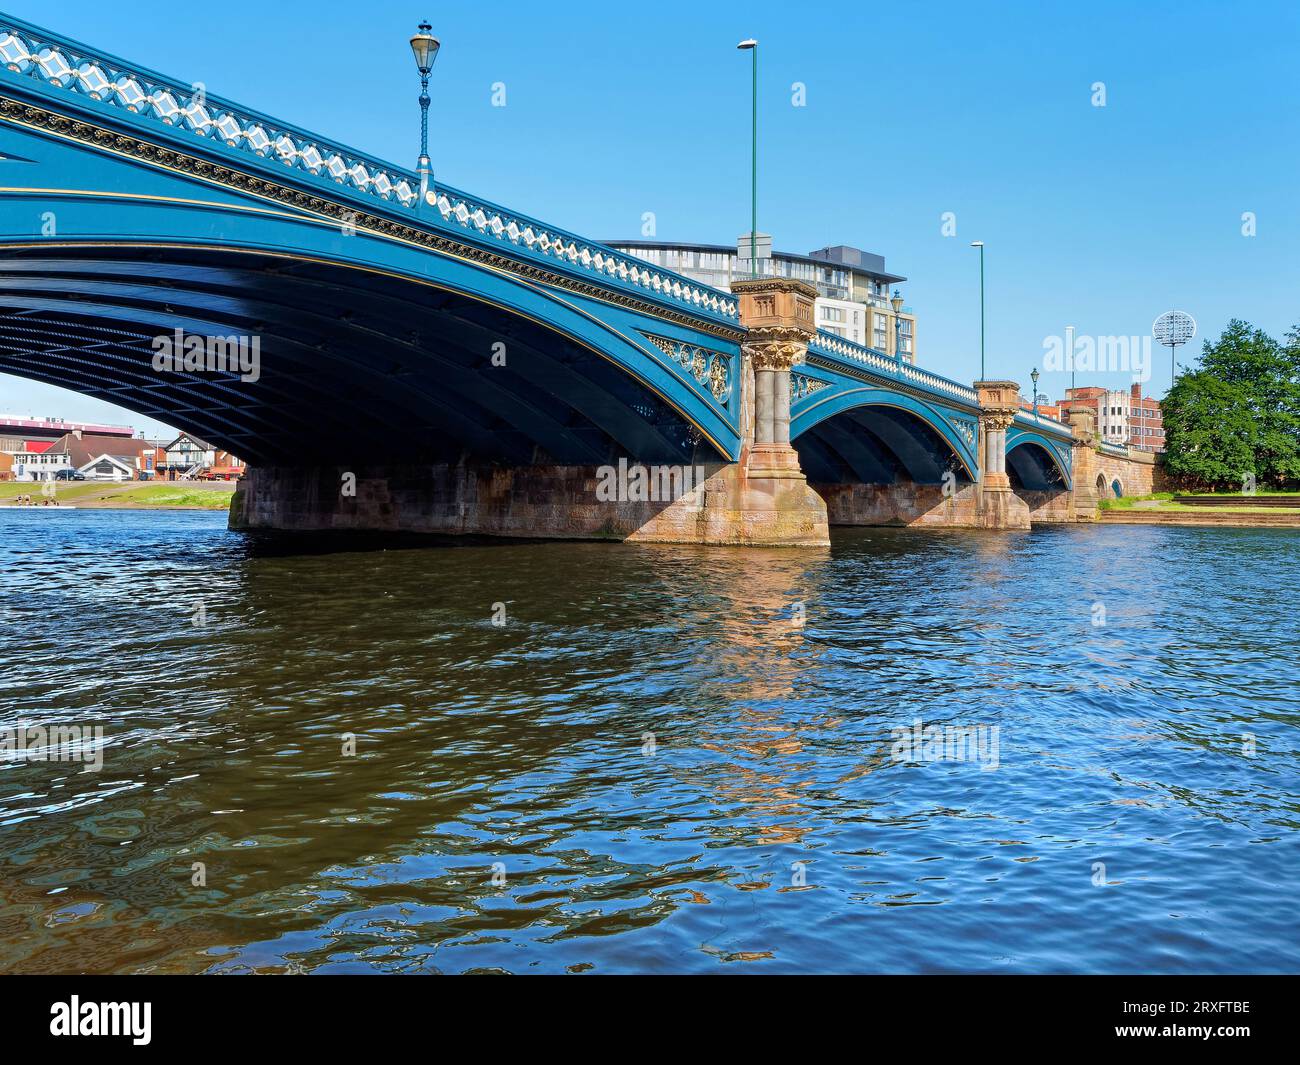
(667, 759)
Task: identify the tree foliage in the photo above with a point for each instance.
(1238, 415)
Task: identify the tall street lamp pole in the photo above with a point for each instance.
(980, 244)
(425, 47)
(1069, 354)
(897, 301)
(1033, 376)
(750, 45)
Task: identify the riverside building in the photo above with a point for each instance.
(854, 298)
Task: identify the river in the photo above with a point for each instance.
(325, 755)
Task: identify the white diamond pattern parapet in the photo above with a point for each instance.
(173, 104)
(14, 53)
(169, 104)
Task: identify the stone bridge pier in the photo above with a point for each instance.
(763, 499)
(1106, 472)
(776, 504)
(996, 506)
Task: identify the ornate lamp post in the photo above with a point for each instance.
(425, 47)
(1033, 376)
(751, 46)
(897, 301)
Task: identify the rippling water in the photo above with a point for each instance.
(667, 759)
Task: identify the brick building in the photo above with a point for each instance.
(1122, 418)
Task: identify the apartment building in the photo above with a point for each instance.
(854, 298)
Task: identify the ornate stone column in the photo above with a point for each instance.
(999, 507)
(764, 499)
(778, 312)
(999, 401)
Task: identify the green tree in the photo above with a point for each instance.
(1269, 375)
(1210, 432)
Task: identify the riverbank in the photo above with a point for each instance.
(128, 495)
(215, 495)
(1163, 509)
(1193, 516)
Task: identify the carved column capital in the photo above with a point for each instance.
(776, 347)
(1083, 424)
(997, 418)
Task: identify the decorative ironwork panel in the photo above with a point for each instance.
(802, 386)
(711, 369)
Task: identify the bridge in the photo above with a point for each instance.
(387, 355)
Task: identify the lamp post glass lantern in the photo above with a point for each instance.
(1033, 376)
(424, 46)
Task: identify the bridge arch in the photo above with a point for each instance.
(871, 435)
(349, 351)
(1034, 466)
(417, 332)
(1037, 459)
(1109, 489)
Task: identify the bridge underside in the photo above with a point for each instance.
(1041, 484)
(353, 363)
(876, 445)
(882, 465)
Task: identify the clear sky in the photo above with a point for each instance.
(1096, 217)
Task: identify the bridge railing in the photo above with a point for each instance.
(59, 62)
(62, 63)
(1028, 417)
(545, 241)
(828, 344)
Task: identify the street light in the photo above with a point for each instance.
(897, 301)
(980, 244)
(750, 45)
(1171, 329)
(1033, 376)
(425, 47)
(1069, 354)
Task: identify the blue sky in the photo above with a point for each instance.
(1096, 217)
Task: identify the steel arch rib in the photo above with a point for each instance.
(817, 409)
(1018, 436)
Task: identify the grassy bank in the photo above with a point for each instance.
(137, 495)
(1164, 504)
